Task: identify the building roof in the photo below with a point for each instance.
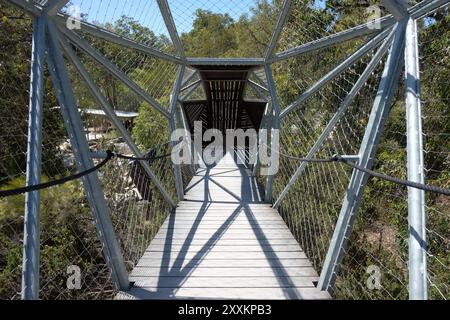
(120, 114)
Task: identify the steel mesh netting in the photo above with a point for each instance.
(249, 94)
(197, 94)
(68, 235)
(292, 80)
(434, 51)
(310, 20)
(313, 203)
(149, 129)
(378, 244)
(154, 75)
(192, 90)
(244, 28)
(137, 208)
(256, 86)
(190, 84)
(261, 164)
(380, 235)
(137, 20)
(188, 168)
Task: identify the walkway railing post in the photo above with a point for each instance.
(84, 161)
(31, 236)
(172, 127)
(416, 198)
(275, 132)
(369, 145)
(188, 138)
(262, 130)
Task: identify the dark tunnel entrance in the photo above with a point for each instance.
(224, 105)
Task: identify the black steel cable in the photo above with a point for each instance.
(18, 191)
(336, 158)
(109, 155)
(406, 183)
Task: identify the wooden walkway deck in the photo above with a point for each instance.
(223, 242)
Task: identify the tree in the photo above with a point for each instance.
(211, 36)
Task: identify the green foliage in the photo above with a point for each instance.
(218, 35)
(211, 35)
(15, 37)
(151, 128)
(67, 238)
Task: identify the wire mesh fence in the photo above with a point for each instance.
(312, 20)
(240, 28)
(434, 63)
(136, 205)
(313, 203)
(378, 247)
(68, 235)
(67, 232)
(140, 21)
(381, 232)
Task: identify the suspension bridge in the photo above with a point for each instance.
(157, 229)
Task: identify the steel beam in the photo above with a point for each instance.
(285, 11)
(113, 70)
(185, 123)
(31, 234)
(275, 130)
(110, 112)
(80, 147)
(171, 28)
(264, 122)
(358, 31)
(53, 6)
(225, 61)
(172, 127)
(110, 36)
(367, 73)
(190, 91)
(419, 10)
(397, 8)
(416, 198)
(367, 152)
(258, 85)
(333, 74)
(195, 83)
(257, 91)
